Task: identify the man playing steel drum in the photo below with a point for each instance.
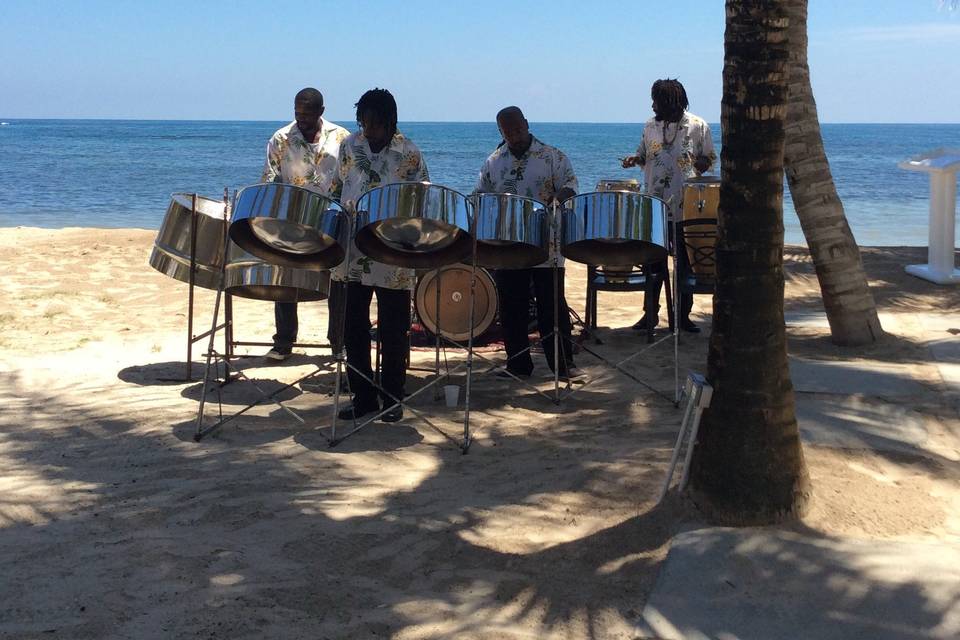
(376, 155)
(303, 153)
(524, 166)
(676, 145)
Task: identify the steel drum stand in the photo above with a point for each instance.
(231, 373)
(342, 366)
(191, 282)
(618, 365)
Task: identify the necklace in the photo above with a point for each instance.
(669, 143)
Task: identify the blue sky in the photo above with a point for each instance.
(871, 60)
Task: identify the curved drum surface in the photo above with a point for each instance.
(171, 249)
(701, 197)
(248, 276)
(455, 302)
(289, 226)
(513, 232)
(614, 227)
(414, 224)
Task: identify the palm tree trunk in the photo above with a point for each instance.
(843, 285)
(748, 466)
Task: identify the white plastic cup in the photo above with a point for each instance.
(451, 393)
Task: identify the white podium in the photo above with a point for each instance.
(942, 165)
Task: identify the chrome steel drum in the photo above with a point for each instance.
(454, 307)
(248, 276)
(513, 232)
(414, 224)
(289, 226)
(171, 250)
(619, 184)
(614, 227)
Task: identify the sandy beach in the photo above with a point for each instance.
(114, 523)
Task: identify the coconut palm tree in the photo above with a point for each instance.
(748, 466)
(850, 307)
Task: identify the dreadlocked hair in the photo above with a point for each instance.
(669, 98)
(380, 104)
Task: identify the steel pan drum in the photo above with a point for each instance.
(619, 184)
(513, 232)
(455, 302)
(414, 224)
(171, 250)
(289, 226)
(248, 276)
(614, 227)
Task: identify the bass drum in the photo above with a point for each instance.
(454, 310)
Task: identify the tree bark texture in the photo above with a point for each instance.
(849, 304)
(748, 465)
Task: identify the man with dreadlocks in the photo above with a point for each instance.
(676, 145)
(376, 155)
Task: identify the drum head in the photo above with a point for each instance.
(454, 309)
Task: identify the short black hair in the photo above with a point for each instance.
(310, 97)
(379, 103)
(508, 112)
(670, 99)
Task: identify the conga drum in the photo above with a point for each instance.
(701, 197)
(454, 310)
(289, 226)
(614, 227)
(414, 224)
(513, 232)
(171, 249)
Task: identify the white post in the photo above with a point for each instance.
(942, 166)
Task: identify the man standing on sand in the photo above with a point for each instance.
(524, 166)
(303, 153)
(676, 145)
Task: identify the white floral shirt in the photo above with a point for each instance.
(361, 170)
(312, 165)
(667, 151)
(539, 173)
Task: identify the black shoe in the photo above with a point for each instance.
(394, 415)
(641, 324)
(687, 325)
(355, 412)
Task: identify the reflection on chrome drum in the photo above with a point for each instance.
(513, 232)
(289, 226)
(614, 227)
(171, 250)
(248, 276)
(414, 224)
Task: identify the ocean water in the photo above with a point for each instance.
(120, 173)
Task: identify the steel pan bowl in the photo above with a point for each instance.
(512, 232)
(171, 250)
(289, 226)
(454, 310)
(619, 184)
(614, 227)
(414, 224)
(248, 276)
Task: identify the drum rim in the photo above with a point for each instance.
(188, 205)
(615, 191)
(318, 194)
(489, 317)
(513, 196)
(421, 183)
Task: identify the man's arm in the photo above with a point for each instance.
(271, 168)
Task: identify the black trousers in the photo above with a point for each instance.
(285, 317)
(393, 324)
(656, 273)
(513, 287)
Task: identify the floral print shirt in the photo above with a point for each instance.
(312, 165)
(361, 170)
(667, 151)
(539, 173)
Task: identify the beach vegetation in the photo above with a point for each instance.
(849, 304)
(748, 466)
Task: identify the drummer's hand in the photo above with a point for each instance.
(701, 164)
(630, 161)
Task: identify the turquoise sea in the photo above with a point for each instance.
(120, 173)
